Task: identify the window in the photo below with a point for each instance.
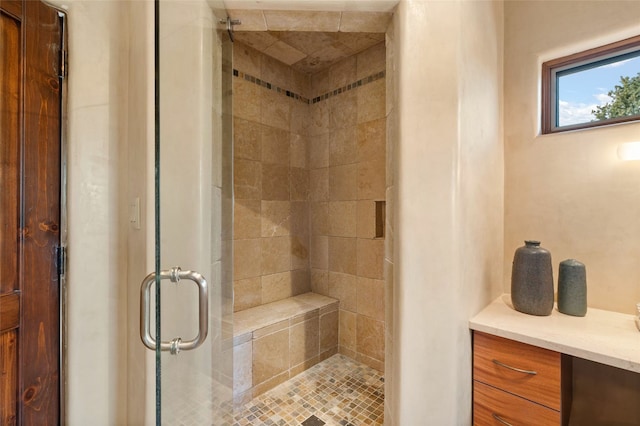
(593, 88)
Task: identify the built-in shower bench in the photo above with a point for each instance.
(279, 340)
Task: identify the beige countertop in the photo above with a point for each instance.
(606, 337)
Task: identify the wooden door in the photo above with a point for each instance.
(30, 110)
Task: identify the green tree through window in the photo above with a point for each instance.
(625, 100)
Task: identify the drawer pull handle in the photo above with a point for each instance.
(519, 370)
(501, 420)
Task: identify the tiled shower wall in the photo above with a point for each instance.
(271, 180)
(309, 169)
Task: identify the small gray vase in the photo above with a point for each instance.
(572, 288)
(532, 280)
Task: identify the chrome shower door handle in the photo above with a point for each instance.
(177, 344)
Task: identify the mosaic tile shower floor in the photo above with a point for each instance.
(336, 392)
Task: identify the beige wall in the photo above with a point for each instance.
(97, 375)
(569, 190)
(448, 223)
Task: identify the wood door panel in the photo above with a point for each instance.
(9, 151)
(41, 221)
(30, 117)
(9, 311)
(8, 377)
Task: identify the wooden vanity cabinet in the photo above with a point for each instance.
(515, 383)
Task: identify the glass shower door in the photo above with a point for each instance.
(190, 294)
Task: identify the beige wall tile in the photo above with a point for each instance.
(252, 20)
(365, 22)
(274, 71)
(319, 184)
(302, 20)
(328, 353)
(247, 102)
(276, 218)
(276, 287)
(304, 341)
(270, 356)
(342, 73)
(370, 258)
(300, 218)
(371, 180)
(342, 255)
(297, 150)
(347, 352)
(343, 287)
(372, 140)
(320, 82)
(275, 182)
(246, 219)
(270, 329)
(319, 151)
(299, 184)
(247, 142)
(329, 331)
(247, 293)
(370, 337)
(285, 53)
(299, 116)
(342, 218)
(301, 84)
(343, 146)
(371, 362)
(371, 61)
(319, 118)
(319, 252)
(242, 367)
(343, 182)
(371, 298)
(297, 369)
(247, 59)
(347, 330)
(246, 256)
(300, 252)
(300, 281)
(343, 109)
(275, 145)
(276, 255)
(366, 219)
(247, 179)
(319, 212)
(275, 109)
(261, 388)
(320, 281)
(371, 101)
(256, 39)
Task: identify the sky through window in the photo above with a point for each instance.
(579, 93)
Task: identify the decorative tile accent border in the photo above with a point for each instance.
(291, 94)
(350, 86)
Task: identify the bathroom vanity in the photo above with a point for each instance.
(554, 370)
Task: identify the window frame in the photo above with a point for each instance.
(551, 68)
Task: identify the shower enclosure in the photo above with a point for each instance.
(186, 302)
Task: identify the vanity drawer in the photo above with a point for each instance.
(490, 402)
(496, 361)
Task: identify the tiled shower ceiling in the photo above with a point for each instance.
(309, 52)
(311, 40)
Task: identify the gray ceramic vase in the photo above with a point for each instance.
(532, 280)
(572, 288)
